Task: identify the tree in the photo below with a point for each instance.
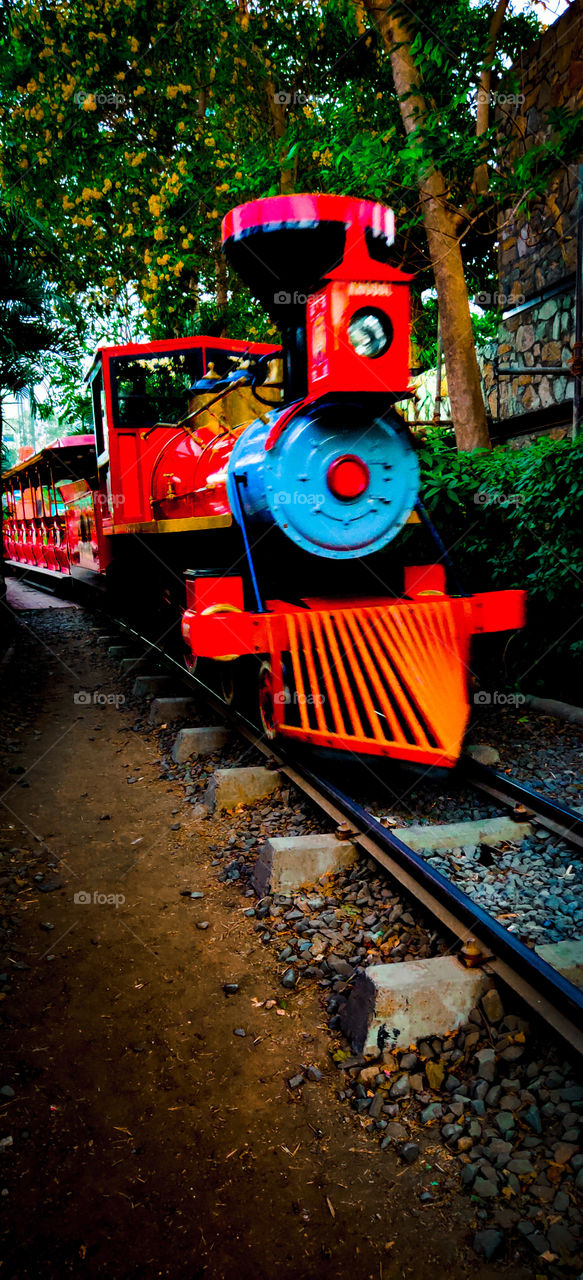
(444, 222)
(29, 325)
(132, 127)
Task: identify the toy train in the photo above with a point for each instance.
(252, 492)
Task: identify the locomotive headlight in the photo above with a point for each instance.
(370, 333)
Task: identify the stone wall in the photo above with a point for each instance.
(530, 393)
(537, 253)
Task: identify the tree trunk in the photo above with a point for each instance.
(481, 180)
(279, 121)
(442, 223)
(220, 280)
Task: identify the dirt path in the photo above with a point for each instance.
(149, 1139)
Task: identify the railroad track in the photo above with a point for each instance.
(502, 954)
(512, 963)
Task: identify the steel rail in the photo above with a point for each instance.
(544, 989)
(559, 818)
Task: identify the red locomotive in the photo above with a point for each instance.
(262, 487)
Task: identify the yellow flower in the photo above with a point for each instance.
(181, 126)
(159, 234)
(134, 46)
(67, 203)
(172, 91)
(139, 91)
(147, 257)
(31, 86)
(107, 185)
(154, 206)
(209, 142)
(89, 103)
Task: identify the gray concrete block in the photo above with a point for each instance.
(164, 710)
(550, 707)
(567, 957)
(230, 787)
(198, 742)
(120, 651)
(151, 686)
(129, 666)
(287, 862)
(454, 835)
(107, 641)
(401, 1004)
(483, 754)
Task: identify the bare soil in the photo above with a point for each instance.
(147, 1138)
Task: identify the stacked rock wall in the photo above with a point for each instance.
(537, 252)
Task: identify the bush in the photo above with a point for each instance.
(513, 518)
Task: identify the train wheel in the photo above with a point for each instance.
(228, 685)
(191, 662)
(265, 695)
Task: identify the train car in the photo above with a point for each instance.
(51, 523)
(255, 494)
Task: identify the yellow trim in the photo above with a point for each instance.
(173, 526)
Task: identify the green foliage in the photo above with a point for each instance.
(129, 129)
(485, 328)
(33, 320)
(513, 518)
